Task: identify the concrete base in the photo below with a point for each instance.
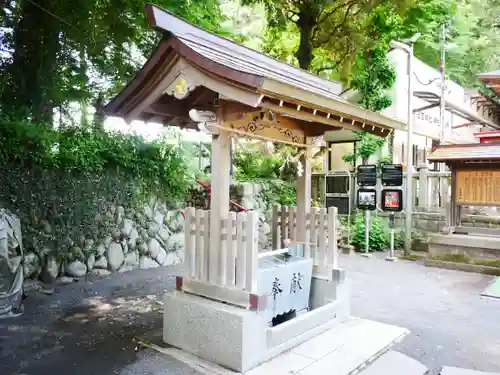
(345, 349)
(240, 339)
(475, 247)
(461, 371)
(395, 363)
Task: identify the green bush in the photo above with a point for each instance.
(379, 233)
(159, 168)
(418, 238)
(275, 175)
(280, 192)
(59, 183)
(251, 165)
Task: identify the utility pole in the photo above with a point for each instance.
(442, 67)
(408, 48)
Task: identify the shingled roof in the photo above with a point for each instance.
(266, 82)
(466, 152)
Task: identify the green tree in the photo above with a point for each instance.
(325, 36)
(318, 23)
(56, 52)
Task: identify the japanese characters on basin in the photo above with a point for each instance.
(286, 283)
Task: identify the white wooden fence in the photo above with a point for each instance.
(318, 233)
(237, 260)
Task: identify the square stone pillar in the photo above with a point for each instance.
(304, 196)
(219, 200)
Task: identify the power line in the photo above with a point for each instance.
(425, 84)
(52, 14)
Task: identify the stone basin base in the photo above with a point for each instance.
(240, 339)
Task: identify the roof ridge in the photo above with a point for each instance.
(251, 52)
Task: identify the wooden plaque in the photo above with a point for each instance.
(481, 187)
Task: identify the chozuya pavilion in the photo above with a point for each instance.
(225, 306)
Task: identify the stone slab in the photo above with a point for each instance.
(461, 371)
(462, 240)
(362, 342)
(395, 363)
(465, 267)
(342, 350)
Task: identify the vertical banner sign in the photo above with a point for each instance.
(367, 175)
(392, 200)
(367, 198)
(392, 175)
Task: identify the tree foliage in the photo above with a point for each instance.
(56, 52)
(159, 168)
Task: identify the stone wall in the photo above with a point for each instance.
(75, 224)
(433, 222)
(117, 237)
(146, 238)
(248, 195)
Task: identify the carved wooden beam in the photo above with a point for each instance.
(264, 124)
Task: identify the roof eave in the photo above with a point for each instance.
(329, 105)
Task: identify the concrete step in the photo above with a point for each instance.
(395, 363)
(461, 371)
(342, 350)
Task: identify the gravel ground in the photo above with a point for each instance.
(88, 327)
(450, 323)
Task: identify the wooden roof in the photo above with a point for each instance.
(492, 80)
(466, 152)
(211, 64)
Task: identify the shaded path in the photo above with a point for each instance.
(88, 327)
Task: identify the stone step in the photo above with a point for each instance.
(461, 371)
(342, 350)
(395, 363)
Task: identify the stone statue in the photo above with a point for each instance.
(11, 268)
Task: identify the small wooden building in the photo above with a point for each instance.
(475, 181)
(199, 80)
(488, 137)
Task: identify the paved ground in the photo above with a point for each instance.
(450, 323)
(88, 327)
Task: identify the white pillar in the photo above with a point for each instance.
(304, 196)
(219, 200)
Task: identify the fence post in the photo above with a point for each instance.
(199, 252)
(189, 240)
(293, 226)
(321, 253)
(252, 253)
(206, 245)
(313, 241)
(423, 186)
(241, 238)
(231, 248)
(283, 226)
(333, 254)
(274, 227)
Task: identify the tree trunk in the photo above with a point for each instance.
(83, 85)
(98, 122)
(304, 53)
(32, 73)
